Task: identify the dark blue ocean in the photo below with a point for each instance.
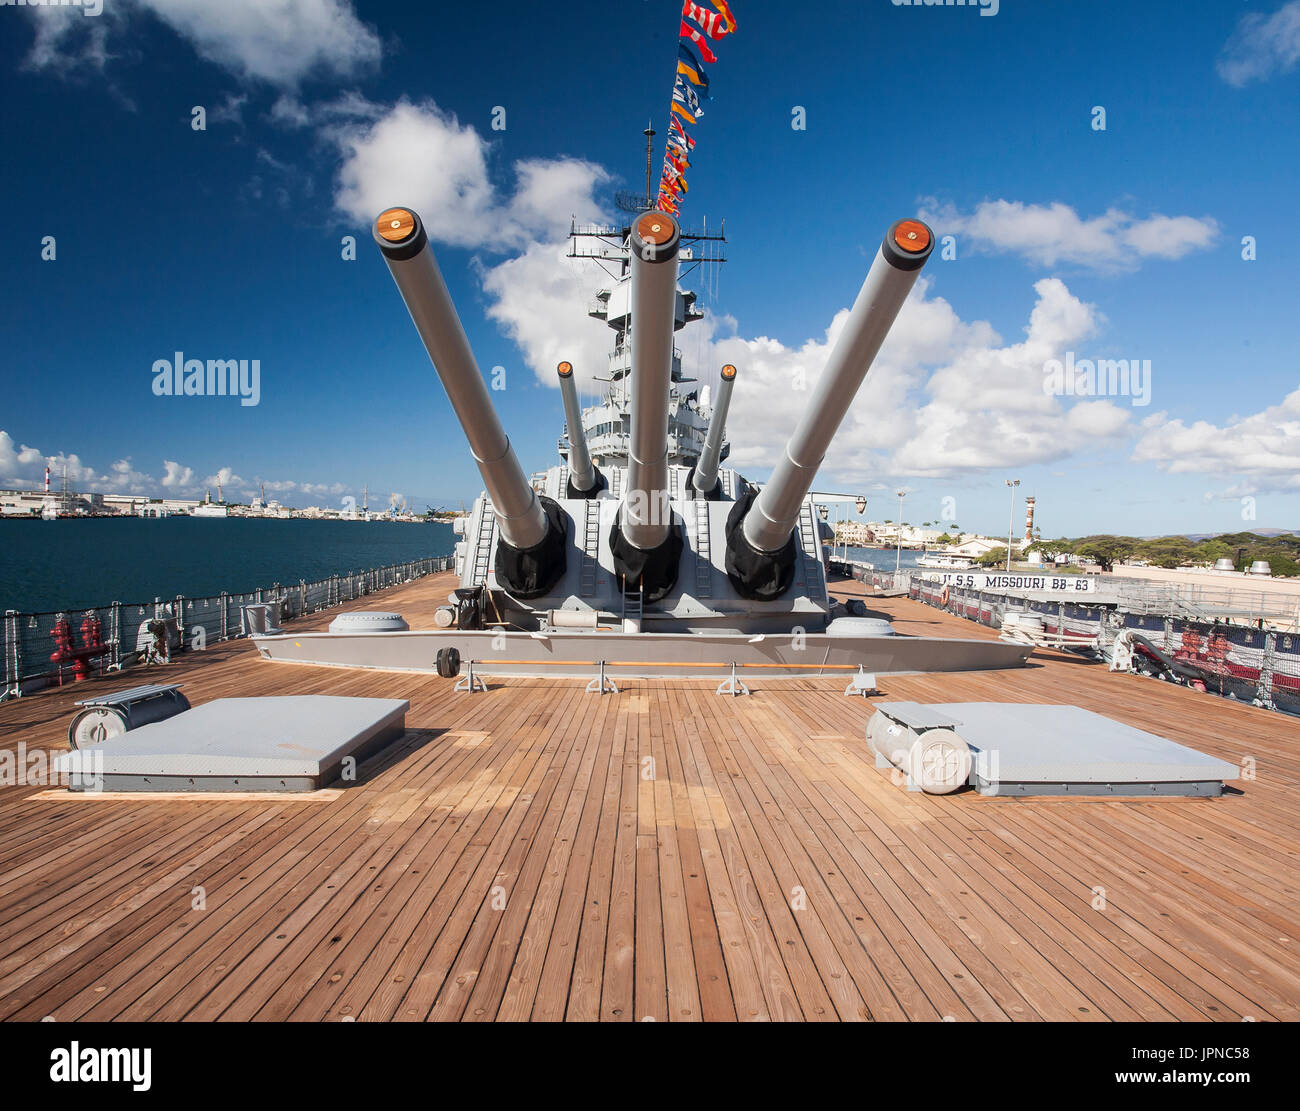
(77, 563)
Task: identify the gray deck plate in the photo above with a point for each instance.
(1036, 749)
(287, 743)
(917, 715)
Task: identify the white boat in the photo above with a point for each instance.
(936, 562)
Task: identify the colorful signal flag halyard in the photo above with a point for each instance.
(700, 23)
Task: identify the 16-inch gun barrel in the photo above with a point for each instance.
(526, 525)
(654, 242)
(705, 478)
(769, 521)
(646, 549)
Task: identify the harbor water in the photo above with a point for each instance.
(880, 558)
(74, 564)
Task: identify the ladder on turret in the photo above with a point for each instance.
(810, 541)
(590, 549)
(483, 543)
(633, 604)
(703, 558)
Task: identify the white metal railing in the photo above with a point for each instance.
(56, 647)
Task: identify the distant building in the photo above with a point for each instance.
(975, 547)
(32, 503)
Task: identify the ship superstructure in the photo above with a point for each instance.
(607, 425)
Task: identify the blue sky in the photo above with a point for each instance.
(226, 243)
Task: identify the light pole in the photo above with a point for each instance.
(898, 563)
(1011, 522)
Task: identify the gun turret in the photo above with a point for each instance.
(646, 548)
(585, 481)
(760, 557)
(530, 552)
(704, 477)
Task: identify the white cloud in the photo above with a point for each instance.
(1263, 447)
(176, 476)
(1262, 45)
(1048, 234)
(540, 298)
(290, 112)
(24, 467)
(421, 156)
(16, 463)
(226, 478)
(122, 477)
(944, 396)
(279, 42)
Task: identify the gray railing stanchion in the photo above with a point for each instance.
(1264, 691)
(115, 635)
(12, 671)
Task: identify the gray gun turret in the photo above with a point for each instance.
(760, 544)
(530, 555)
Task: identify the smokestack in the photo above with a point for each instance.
(705, 478)
(584, 480)
(645, 547)
(530, 555)
(1029, 519)
(760, 553)
(47, 478)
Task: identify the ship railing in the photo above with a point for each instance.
(37, 653)
(620, 356)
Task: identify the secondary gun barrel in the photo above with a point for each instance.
(772, 517)
(654, 240)
(582, 474)
(401, 237)
(706, 467)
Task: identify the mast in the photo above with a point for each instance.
(649, 134)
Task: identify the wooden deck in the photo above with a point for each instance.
(539, 852)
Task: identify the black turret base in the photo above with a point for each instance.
(655, 569)
(531, 572)
(759, 576)
(689, 486)
(574, 494)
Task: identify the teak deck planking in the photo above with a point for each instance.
(538, 852)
